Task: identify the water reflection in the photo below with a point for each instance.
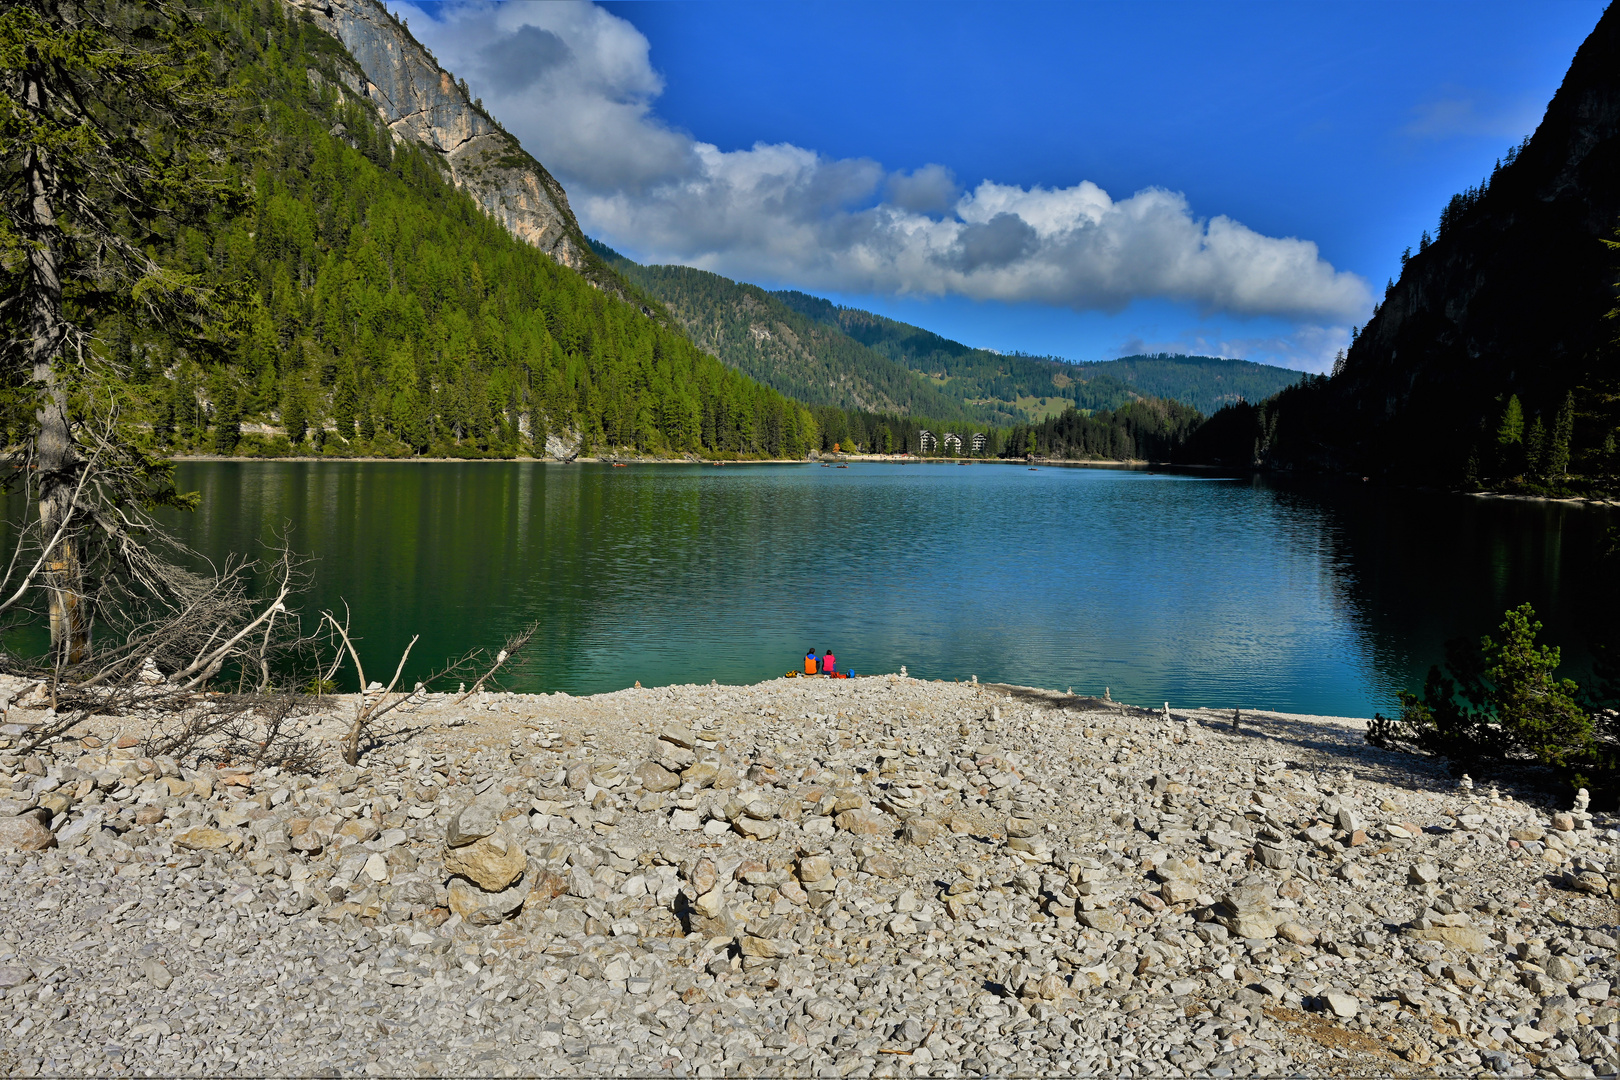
(1306, 597)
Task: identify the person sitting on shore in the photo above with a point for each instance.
(810, 662)
(828, 664)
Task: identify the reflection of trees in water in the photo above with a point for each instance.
(1233, 591)
(1416, 569)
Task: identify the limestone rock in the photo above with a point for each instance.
(493, 861)
(1111, 922)
(203, 838)
(1249, 912)
(762, 948)
(1178, 892)
(1463, 937)
(1294, 932)
(474, 821)
(468, 900)
(25, 833)
(1342, 1004)
(756, 828)
(883, 866)
(921, 831)
(861, 822)
(814, 868)
(685, 820)
(1022, 827)
(654, 777)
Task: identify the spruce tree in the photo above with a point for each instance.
(345, 399)
(294, 413)
(112, 124)
(227, 417)
(1563, 431)
(1535, 449)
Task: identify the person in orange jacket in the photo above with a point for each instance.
(810, 662)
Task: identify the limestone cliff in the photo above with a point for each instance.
(423, 103)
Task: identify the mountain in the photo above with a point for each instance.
(1463, 373)
(824, 354)
(1026, 386)
(1043, 386)
(419, 102)
(409, 285)
(759, 335)
(1207, 383)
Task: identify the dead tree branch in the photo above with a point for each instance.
(514, 645)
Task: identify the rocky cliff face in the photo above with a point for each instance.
(1510, 297)
(423, 103)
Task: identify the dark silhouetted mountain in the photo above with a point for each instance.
(1507, 301)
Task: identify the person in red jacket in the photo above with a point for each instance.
(827, 662)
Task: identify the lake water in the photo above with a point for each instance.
(1217, 592)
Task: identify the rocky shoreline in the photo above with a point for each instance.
(877, 876)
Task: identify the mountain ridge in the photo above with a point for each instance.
(824, 354)
(1507, 301)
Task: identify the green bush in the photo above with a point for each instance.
(1496, 701)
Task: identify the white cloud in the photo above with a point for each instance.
(576, 85)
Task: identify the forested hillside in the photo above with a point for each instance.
(756, 333)
(1207, 383)
(1147, 430)
(1040, 386)
(1030, 386)
(380, 311)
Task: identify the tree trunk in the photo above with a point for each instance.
(55, 458)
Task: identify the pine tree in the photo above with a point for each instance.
(345, 398)
(227, 417)
(294, 413)
(109, 115)
(1563, 432)
(1535, 449)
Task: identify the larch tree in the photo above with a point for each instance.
(113, 126)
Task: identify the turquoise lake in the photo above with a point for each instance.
(1304, 597)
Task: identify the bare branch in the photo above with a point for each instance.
(514, 645)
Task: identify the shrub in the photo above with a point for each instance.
(1495, 701)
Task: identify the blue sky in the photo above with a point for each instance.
(1077, 179)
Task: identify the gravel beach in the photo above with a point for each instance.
(879, 876)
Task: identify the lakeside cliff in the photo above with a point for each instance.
(422, 103)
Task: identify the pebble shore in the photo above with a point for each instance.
(880, 876)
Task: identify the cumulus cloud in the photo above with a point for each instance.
(931, 189)
(576, 85)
